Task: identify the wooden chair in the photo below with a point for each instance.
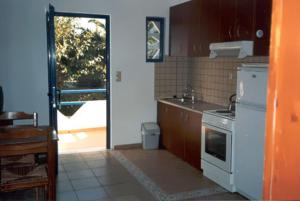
(16, 141)
(8, 118)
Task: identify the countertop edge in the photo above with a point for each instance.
(206, 106)
(180, 106)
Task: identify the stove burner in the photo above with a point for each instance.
(226, 113)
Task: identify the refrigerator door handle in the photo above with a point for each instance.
(251, 106)
(241, 89)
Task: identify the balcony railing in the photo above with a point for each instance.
(78, 91)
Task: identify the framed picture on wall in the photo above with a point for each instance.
(155, 39)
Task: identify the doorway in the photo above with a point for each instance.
(79, 80)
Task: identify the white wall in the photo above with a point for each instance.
(23, 54)
(23, 47)
(175, 2)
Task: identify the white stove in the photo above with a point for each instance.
(217, 147)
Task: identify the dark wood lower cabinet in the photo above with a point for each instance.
(193, 139)
(164, 124)
(176, 135)
(180, 132)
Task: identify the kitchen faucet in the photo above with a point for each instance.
(189, 93)
(232, 102)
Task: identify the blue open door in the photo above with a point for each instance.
(52, 92)
(51, 74)
(58, 90)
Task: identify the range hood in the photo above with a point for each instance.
(239, 49)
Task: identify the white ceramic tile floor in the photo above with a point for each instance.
(85, 183)
(95, 176)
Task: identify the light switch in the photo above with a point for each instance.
(118, 76)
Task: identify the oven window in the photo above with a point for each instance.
(215, 143)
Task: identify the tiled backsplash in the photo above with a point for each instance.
(213, 80)
(171, 76)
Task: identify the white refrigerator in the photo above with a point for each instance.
(250, 129)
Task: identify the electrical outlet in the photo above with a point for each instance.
(118, 76)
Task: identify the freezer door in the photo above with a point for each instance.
(252, 86)
(249, 151)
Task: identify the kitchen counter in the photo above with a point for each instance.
(198, 106)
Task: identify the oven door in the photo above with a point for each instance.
(216, 146)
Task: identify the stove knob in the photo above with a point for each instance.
(224, 121)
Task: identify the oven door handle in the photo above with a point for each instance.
(221, 130)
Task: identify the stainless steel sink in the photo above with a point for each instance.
(181, 100)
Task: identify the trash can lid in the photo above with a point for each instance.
(151, 126)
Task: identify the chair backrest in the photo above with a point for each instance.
(21, 140)
(11, 116)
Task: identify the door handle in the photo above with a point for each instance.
(53, 97)
(58, 91)
(54, 135)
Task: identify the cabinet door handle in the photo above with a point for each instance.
(181, 114)
(229, 32)
(187, 117)
(238, 31)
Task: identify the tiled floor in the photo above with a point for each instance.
(103, 176)
(96, 176)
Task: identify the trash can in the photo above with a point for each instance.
(150, 135)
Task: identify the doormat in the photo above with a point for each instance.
(155, 190)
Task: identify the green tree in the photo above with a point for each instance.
(80, 58)
(80, 53)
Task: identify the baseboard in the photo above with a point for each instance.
(128, 146)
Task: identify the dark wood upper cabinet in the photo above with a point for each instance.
(179, 31)
(228, 20)
(197, 23)
(245, 19)
(263, 12)
(205, 26)
(237, 20)
(194, 39)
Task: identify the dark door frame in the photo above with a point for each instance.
(52, 66)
